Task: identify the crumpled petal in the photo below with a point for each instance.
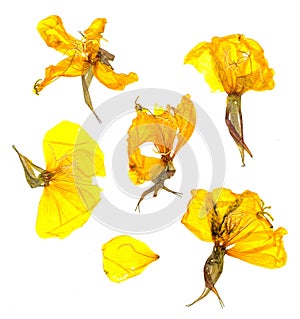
(185, 115)
(111, 79)
(143, 168)
(74, 158)
(54, 34)
(69, 67)
(125, 257)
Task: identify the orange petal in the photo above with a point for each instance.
(95, 30)
(185, 115)
(113, 80)
(69, 67)
(54, 34)
(143, 168)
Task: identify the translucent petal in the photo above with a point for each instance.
(263, 249)
(111, 79)
(95, 30)
(73, 158)
(195, 218)
(201, 58)
(54, 34)
(69, 67)
(61, 209)
(125, 257)
(185, 115)
(143, 168)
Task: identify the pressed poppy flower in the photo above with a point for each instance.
(168, 129)
(125, 257)
(234, 64)
(85, 57)
(72, 159)
(239, 226)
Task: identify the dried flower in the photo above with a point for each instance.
(234, 64)
(239, 226)
(72, 159)
(85, 57)
(168, 130)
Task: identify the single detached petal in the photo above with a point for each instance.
(54, 34)
(111, 79)
(69, 67)
(125, 257)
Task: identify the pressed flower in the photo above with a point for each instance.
(234, 64)
(125, 257)
(85, 57)
(168, 129)
(239, 226)
(72, 159)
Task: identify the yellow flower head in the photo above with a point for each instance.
(239, 226)
(85, 57)
(72, 159)
(125, 257)
(168, 129)
(234, 64)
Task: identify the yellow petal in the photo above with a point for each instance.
(125, 257)
(73, 158)
(69, 67)
(54, 34)
(61, 209)
(112, 80)
(201, 58)
(195, 218)
(263, 249)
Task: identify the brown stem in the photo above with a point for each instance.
(234, 122)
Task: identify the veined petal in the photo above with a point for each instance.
(160, 129)
(195, 218)
(61, 209)
(201, 58)
(113, 80)
(125, 257)
(265, 249)
(73, 158)
(54, 34)
(69, 67)
(185, 115)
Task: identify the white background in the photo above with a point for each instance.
(64, 278)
